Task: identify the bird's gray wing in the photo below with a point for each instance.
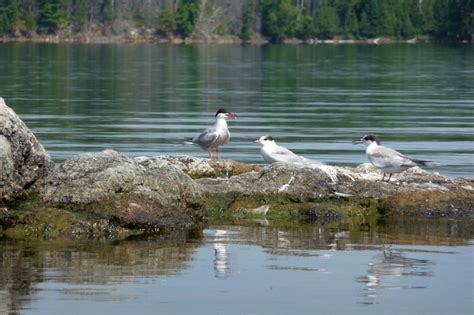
(386, 157)
(208, 137)
(284, 155)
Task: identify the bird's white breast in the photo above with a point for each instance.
(267, 154)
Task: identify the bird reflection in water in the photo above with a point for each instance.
(388, 269)
(222, 258)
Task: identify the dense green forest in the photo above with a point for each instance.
(245, 19)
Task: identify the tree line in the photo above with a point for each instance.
(246, 19)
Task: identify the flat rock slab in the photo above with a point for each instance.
(414, 192)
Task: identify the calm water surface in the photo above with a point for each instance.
(388, 267)
(144, 99)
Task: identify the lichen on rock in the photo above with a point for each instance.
(205, 168)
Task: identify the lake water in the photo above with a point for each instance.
(145, 99)
(386, 267)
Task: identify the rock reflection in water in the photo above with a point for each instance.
(26, 265)
(227, 265)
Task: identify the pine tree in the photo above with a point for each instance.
(440, 18)
(353, 30)
(186, 16)
(9, 16)
(52, 16)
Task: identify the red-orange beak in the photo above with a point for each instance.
(231, 115)
(360, 141)
(258, 141)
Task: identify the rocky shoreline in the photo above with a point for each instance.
(135, 37)
(108, 194)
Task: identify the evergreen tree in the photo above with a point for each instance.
(9, 16)
(109, 11)
(407, 29)
(186, 16)
(167, 22)
(348, 17)
(440, 18)
(248, 19)
(279, 19)
(426, 12)
(353, 25)
(364, 26)
(52, 16)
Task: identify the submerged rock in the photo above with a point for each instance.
(24, 163)
(145, 193)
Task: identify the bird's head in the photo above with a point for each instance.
(368, 140)
(224, 113)
(265, 140)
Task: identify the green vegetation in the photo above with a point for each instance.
(273, 19)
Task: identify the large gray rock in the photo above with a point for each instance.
(414, 192)
(137, 193)
(23, 160)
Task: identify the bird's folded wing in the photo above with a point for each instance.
(286, 155)
(383, 157)
(207, 137)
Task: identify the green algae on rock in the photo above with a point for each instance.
(347, 191)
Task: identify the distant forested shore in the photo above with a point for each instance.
(310, 21)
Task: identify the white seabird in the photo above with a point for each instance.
(386, 159)
(272, 152)
(216, 135)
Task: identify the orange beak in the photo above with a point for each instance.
(258, 141)
(360, 141)
(231, 115)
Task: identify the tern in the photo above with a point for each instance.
(216, 135)
(386, 159)
(273, 152)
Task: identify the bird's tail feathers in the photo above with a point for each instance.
(188, 140)
(424, 162)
